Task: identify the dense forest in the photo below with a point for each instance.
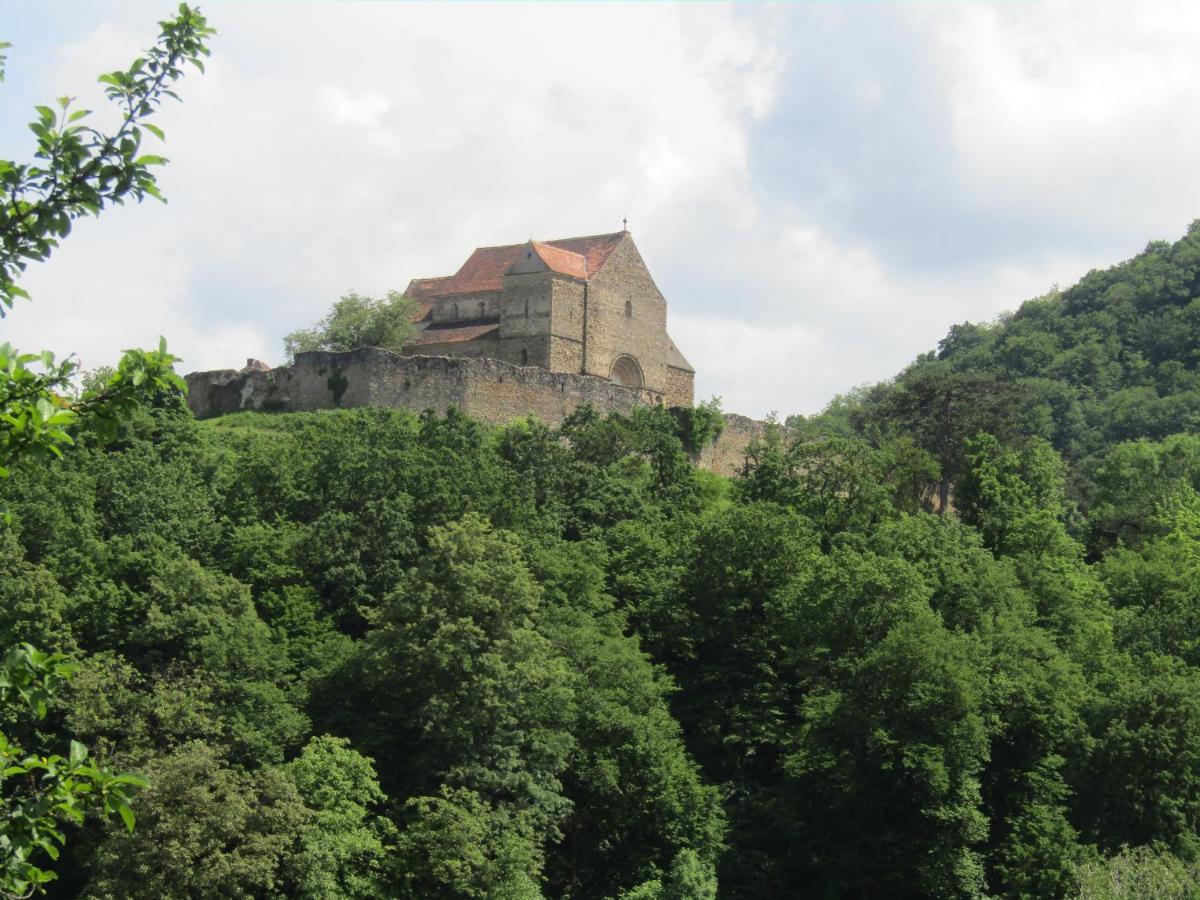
(364, 653)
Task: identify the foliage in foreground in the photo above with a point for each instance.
(41, 794)
(77, 171)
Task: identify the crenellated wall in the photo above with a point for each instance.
(486, 389)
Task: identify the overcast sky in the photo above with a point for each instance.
(819, 190)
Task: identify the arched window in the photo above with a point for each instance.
(524, 357)
(482, 309)
(626, 372)
(454, 311)
(629, 309)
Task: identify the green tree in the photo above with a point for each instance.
(477, 698)
(637, 800)
(1014, 498)
(1141, 781)
(456, 844)
(79, 171)
(883, 773)
(343, 849)
(207, 829)
(42, 793)
(355, 321)
(700, 425)
(1137, 873)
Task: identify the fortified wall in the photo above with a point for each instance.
(485, 389)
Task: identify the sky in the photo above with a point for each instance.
(820, 190)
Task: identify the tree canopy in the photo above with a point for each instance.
(355, 321)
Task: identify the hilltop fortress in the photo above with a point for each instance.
(584, 305)
(539, 328)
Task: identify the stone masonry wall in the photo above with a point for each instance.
(610, 333)
(728, 455)
(680, 387)
(486, 389)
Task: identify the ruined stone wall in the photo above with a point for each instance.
(486, 389)
(728, 455)
(680, 387)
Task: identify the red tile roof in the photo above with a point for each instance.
(565, 262)
(453, 334)
(596, 247)
(424, 288)
(484, 270)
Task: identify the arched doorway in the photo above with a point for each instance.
(626, 372)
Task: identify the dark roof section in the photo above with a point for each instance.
(452, 334)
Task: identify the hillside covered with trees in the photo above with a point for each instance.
(365, 653)
(1105, 372)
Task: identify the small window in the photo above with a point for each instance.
(527, 307)
(482, 309)
(629, 309)
(524, 357)
(454, 311)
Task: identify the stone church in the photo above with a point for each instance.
(584, 305)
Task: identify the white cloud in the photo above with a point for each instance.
(1087, 108)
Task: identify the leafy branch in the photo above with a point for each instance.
(79, 170)
(38, 793)
(38, 413)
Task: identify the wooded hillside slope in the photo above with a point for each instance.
(370, 654)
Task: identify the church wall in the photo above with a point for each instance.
(566, 355)
(466, 307)
(611, 333)
(566, 308)
(489, 346)
(524, 351)
(526, 305)
(566, 325)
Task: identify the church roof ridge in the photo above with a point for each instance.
(485, 268)
(581, 237)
